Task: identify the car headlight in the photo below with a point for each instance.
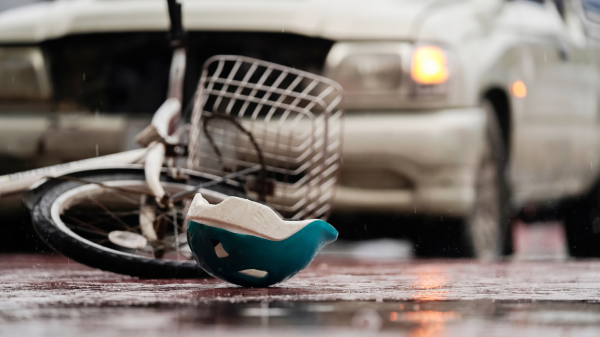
(369, 73)
(387, 75)
(429, 65)
(23, 74)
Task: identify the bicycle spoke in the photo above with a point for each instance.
(100, 242)
(134, 229)
(121, 189)
(108, 218)
(85, 224)
(122, 197)
(87, 230)
(176, 232)
(109, 212)
(164, 216)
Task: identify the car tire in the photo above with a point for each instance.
(485, 233)
(582, 225)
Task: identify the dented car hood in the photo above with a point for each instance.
(330, 19)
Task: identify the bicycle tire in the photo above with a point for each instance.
(87, 253)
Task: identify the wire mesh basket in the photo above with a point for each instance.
(285, 122)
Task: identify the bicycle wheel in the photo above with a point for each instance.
(107, 220)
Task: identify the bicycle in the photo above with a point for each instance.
(257, 130)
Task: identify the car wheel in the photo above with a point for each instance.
(582, 225)
(487, 228)
(485, 233)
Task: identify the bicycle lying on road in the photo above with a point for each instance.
(256, 130)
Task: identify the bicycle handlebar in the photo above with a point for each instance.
(176, 32)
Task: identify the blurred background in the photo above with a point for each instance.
(471, 130)
(459, 116)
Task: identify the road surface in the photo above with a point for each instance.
(42, 295)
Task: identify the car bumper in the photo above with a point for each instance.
(420, 162)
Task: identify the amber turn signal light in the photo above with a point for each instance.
(519, 89)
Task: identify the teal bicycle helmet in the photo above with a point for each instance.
(248, 244)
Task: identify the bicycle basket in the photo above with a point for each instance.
(286, 122)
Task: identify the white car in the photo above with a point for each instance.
(462, 110)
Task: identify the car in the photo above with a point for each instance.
(470, 111)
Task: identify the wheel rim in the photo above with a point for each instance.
(483, 221)
(90, 212)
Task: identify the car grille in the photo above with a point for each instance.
(128, 72)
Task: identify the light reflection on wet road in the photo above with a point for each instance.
(51, 296)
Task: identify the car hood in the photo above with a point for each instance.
(330, 19)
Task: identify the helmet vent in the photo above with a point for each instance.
(254, 273)
(219, 250)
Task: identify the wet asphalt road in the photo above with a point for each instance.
(52, 296)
